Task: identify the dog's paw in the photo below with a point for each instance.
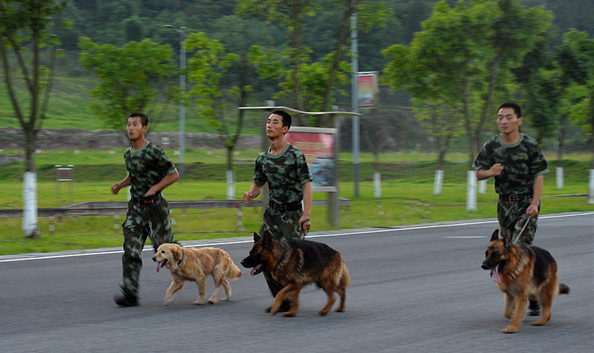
(510, 329)
(199, 302)
(212, 301)
(168, 302)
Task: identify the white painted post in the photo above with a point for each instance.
(471, 191)
(230, 185)
(30, 224)
(482, 186)
(377, 185)
(591, 188)
(559, 177)
(438, 182)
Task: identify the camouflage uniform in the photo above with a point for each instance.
(522, 162)
(285, 174)
(146, 167)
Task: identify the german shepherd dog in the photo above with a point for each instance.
(522, 273)
(297, 263)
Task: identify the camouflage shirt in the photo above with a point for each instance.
(146, 167)
(285, 173)
(522, 162)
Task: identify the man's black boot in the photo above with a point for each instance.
(533, 308)
(127, 298)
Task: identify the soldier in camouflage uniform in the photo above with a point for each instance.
(149, 172)
(516, 162)
(285, 169)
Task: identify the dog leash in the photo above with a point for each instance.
(522, 231)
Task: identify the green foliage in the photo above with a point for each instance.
(132, 78)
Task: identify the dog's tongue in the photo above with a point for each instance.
(253, 271)
(159, 264)
(495, 274)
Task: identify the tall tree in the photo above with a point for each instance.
(28, 49)
(464, 55)
(136, 77)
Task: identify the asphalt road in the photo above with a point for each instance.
(414, 289)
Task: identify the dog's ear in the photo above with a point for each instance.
(176, 251)
(495, 235)
(507, 239)
(257, 237)
(267, 238)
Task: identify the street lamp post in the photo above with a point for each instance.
(182, 107)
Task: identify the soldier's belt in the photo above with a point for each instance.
(293, 206)
(513, 198)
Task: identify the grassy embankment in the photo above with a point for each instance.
(407, 196)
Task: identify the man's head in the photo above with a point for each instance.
(287, 120)
(137, 126)
(143, 118)
(513, 106)
(509, 118)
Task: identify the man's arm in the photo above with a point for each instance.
(532, 210)
(165, 182)
(254, 191)
(307, 201)
(495, 170)
(115, 188)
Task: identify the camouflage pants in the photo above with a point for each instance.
(283, 225)
(142, 221)
(512, 217)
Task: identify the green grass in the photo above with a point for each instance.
(407, 197)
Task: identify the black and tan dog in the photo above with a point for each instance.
(296, 264)
(522, 273)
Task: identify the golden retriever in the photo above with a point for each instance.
(188, 264)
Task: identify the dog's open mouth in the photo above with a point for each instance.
(256, 270)
(495, 274)
(161, 264)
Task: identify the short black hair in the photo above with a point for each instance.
(143, 118)
(514, 106)
(287, 120)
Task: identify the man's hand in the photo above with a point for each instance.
(115, 188)
(247, 197)
(496, 169)
(305, 223)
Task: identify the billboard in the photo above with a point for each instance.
(367, 88)
(319, 147)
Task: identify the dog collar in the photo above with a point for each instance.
(182, 259)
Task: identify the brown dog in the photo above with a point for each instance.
(522, 273)
(296, 264)
(187, 264)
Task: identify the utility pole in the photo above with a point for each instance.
(182, 107)
(355, 103)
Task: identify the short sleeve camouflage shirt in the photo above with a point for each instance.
(522, 162)
(285, 173)
(146, 166)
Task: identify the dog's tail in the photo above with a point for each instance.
(563, 288)
(234, 272)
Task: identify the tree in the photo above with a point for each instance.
(463, 58)
(206, 69)
(291, 17)
(28, 50)
(136, 77)
(576, 58)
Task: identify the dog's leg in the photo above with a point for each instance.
(174, 287)
(201, 284)
(214, 298)
(330, 293)
(546, 300)
(509, 306)
(342, 294)
(294, 303)
(518, 313)
(227, 287)
(282, 296)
